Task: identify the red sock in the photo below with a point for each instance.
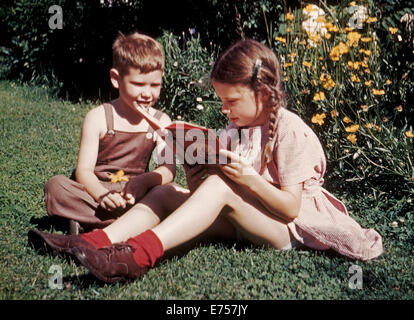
(148, 248)
(97, 238)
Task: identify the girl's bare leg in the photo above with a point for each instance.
(212, 199)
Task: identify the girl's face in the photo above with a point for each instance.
(143, 88)
(240, 104)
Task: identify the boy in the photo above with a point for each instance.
(114, 138)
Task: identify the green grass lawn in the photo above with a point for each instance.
(39, 139)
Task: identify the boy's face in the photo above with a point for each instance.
(144, 88)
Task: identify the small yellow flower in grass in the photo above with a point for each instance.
(319, 96)
(289, 16)
(378, 128)
(369, 125)
(307, 64)
(352, 138)
(352, 3)
(366, 39)
(368, 83)
(318, 118)
(354, 78)
(409, 134)
(327, 35)
(378, 92)
(118, 177)
(353, 128)
(303, 42)
(334, 113)
(364, 107)
(346, 120)
(388, 82)
(393, 30)
(287, 64)
(371, 20)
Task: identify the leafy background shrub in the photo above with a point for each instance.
(343, 80)
(374, 148)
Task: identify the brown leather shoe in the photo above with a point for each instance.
(56, 244)
(111, 264)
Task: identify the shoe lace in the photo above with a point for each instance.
(117, 248)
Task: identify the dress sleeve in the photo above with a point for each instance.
(299, 155)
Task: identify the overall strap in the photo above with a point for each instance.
(158, 114)
(109, 116)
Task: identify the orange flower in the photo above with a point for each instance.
(280, 39)
(368, 83)
(118, 177)
(346, 120)
(307, 64)
(409, 134)
(353, 128)
(352, 137)
(334, 113)
(290, 16)
(318, 118)
(392, 30)
(353, 39)
(319, 96)
(371, 19)
(378, 92)
(355, 78)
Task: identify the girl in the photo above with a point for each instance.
(270, 193)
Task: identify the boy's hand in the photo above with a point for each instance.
(111, 201)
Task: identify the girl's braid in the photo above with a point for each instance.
(268, 80)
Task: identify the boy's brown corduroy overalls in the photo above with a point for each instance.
(127, 151)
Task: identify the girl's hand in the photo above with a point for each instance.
(238, 169)
(111, 201)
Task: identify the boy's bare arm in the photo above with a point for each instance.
(88, 153)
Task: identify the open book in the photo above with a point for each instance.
(191, 143)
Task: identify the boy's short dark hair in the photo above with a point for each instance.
(139, 51)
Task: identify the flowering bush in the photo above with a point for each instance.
(186, 90)
(335, 70)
